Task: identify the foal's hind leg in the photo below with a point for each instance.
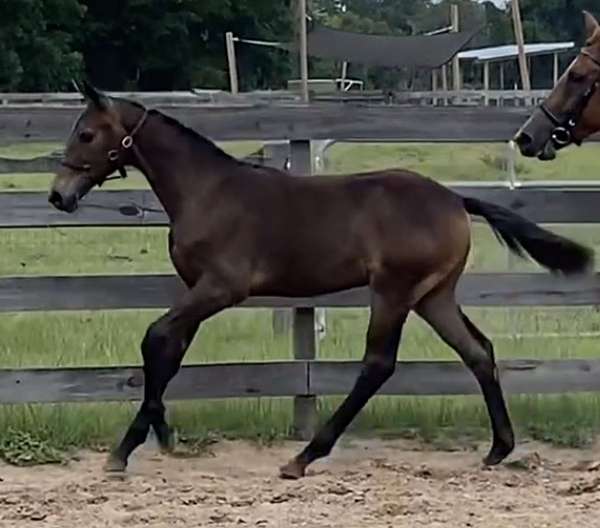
(163, 348)
(444, 315)
(388, 314)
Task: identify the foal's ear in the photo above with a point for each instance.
(591, 24)
(92, 95)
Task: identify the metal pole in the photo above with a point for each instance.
(555, 77)
(486, 82)
(518, 25)
(454, 16)
(445, 83)
(344, 75)
(233, 77)
(303, 49)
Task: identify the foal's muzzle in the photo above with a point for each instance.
(68, 204)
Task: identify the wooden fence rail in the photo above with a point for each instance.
(290, 378)
(140, 208)
(115, 292)
(293, 121)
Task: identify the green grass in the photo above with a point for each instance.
(112, 338)
(462, 162)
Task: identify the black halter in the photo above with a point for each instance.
(563, 131)
(113, 155)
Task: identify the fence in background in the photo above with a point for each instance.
(305, 377)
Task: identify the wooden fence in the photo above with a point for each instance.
(218, 97)
(304, 378)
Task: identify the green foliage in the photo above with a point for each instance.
(179, 44)
(38, 44)
(22, 448)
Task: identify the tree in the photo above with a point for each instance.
(179, 44)
(166, 45)
(38, 44)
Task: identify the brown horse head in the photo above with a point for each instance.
(97, 147)
(571, 112)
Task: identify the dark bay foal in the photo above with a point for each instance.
(239, 230)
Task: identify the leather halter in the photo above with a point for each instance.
(114, 155)
(562, 135)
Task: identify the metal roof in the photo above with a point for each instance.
(511, 51)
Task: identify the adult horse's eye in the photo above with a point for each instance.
(576, 77)
(86, 136)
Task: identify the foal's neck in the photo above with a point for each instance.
(180, 165)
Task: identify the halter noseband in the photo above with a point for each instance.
(563, 131)
(113, 155)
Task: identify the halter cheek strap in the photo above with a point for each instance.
(125, 145)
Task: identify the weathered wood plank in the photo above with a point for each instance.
(194, 97)
(294, 121)
(295, 378)
(548, 204)
(304, 338)
(125, 383)
(269, 155)
(21, 294)
(453, 378)
(102, 208)
(19, 166)
(544, 204)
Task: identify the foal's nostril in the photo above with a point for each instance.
(56, 199)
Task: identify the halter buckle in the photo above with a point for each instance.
(562, 136)
(113, 155)
(127, 142)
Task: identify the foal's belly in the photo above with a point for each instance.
(311, 275)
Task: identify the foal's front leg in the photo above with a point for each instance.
(163, 348)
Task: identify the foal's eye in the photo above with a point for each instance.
(86, 136)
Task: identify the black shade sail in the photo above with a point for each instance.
(381, 50)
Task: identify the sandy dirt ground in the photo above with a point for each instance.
(363, 484)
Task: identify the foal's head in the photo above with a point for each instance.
(571, 112)
(98, 146)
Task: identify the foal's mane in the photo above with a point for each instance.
(198, 139)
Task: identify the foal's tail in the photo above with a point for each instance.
(522, 237)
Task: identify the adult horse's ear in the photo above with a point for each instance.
(591, 24)
(93, 95)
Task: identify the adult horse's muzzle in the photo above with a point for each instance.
(540, 138)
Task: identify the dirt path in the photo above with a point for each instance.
(364, 484)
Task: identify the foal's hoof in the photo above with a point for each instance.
(115, 465)
(497, 454)
(166, 440)
(167, 445)
(293, 470)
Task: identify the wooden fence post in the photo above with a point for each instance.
(304, 338)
